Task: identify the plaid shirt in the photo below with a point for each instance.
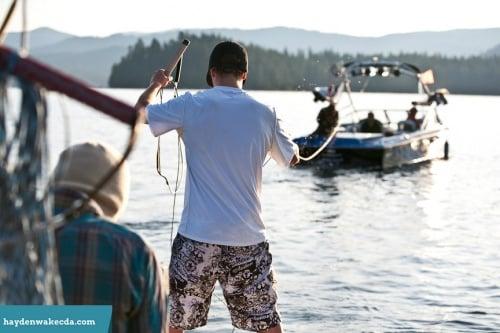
(103, 263)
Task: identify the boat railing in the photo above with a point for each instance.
(386, 120)
(350, 121)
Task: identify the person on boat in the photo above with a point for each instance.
(411, 123)
(100, 261)
(370, 124)
(328, 118)
(221, 236)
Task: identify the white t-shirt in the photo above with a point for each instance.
(227, 135)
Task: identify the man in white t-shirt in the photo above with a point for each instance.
(221, 237)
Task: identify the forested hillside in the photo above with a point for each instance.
(274, 70)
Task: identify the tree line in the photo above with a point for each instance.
(275, 70)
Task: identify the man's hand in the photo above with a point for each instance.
(295, 160)
(159, 79)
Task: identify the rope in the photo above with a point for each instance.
(180, 166)
(323, 146)
(28, 263)
(6, 21)
(178, 179)
(60, 219)
(24, 32)
(302, 158)
(66, 123)
(79, 205)
(179, 154)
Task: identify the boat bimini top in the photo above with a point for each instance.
(384, 69)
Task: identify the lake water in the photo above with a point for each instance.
(411, 250)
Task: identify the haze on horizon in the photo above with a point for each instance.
(357, 18)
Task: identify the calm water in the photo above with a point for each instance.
(413, 250)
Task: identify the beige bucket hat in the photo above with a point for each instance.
(82, 166)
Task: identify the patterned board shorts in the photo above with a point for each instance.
(244, 272)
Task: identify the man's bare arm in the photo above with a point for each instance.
(158, 81)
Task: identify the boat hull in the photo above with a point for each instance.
(360, 149)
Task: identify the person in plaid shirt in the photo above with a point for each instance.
(100, 261)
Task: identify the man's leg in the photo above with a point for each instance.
(192, 274)
(248, 284)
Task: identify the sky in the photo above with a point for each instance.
(352, 17)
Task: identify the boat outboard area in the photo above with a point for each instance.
(382, 130)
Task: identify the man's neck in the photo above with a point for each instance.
(227, 86)
(229, 82)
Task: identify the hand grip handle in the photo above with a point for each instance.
(171, 65)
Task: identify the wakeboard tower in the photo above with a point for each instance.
(399, 140)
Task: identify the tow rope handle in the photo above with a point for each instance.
(175, 63)
(169, 68)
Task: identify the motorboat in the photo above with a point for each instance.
(397, 136)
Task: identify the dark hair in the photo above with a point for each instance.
(227, 57)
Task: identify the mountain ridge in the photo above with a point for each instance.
(58, 48)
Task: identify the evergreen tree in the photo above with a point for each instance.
(274, 70)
